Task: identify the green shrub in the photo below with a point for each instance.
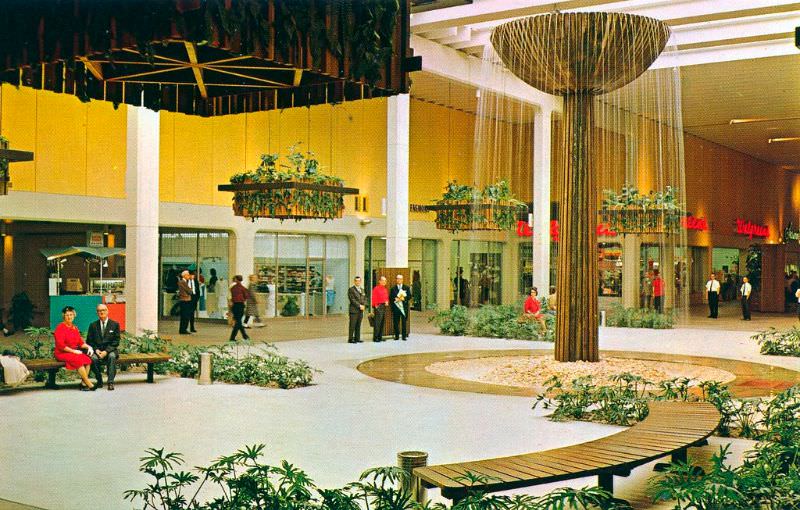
(622, 317)
(244, 481)
(495, 321)
(779, 343)
(146, 343)
(40, 344)
(455, 321)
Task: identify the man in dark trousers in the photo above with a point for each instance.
(744, 291)
(194, 284)
(380, 302)
(185, 298)
(239, 295)
(712, 288)
(399, 297)
(103, 336)
(358, 301)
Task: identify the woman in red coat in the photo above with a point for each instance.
(534, 307)
(69, 345)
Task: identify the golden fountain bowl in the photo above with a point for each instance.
(580, 52)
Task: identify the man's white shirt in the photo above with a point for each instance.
(712, 286)
(746, 289)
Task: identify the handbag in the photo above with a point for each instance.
(371, 319)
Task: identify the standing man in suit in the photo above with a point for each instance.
(744, 292)
(712, 288)
(103, 336)
(194, 283)
(185, 298)
(358, 301)
(399, 297)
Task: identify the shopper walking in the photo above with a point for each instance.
(239, 295)
(358, 301)
(712, 290)
(185, 298)
(253, 318)
(744, 292)
(658, 292)
(380, 302)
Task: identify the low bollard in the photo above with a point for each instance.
(204, 376)
(407, 461)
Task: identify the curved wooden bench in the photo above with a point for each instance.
(669, 429)
(52, 365)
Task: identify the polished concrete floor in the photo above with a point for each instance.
(346, 422)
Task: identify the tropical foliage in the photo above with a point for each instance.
(495, 321)
(244, 480)
(779, 343)
(464, 207)
(622, 317)
(287, 202)
(631, 212)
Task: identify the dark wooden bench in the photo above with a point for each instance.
(52, 365)
(669, 429)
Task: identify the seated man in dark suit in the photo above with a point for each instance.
(103, 336)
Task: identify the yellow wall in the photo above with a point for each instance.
(79, 147)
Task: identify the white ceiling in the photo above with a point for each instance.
(737, 60)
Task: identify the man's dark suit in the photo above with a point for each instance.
(358, 299)
(398, 317)
(108, 341)
(185, 298)
(195, 302)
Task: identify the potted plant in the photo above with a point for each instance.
(631, 212)
(297, 190)
(464, 207)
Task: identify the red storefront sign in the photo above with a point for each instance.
(749, 229)
(693, 223)
(524, 230)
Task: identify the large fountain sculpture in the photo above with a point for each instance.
(578, 56)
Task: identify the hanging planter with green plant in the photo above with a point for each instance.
(464, 207)
(296, 191)
(630, 212)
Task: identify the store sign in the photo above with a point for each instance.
(751, 230)
(524, 230)
(693, 223)
(94, 239)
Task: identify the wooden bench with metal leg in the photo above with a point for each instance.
(52, 366)
(671, 428)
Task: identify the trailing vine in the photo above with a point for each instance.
(469, 208)
(629, 211)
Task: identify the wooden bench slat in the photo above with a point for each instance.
(539, 465)
(527, 469)
(435, 478)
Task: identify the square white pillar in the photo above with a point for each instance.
(245, 246)
(542, 134)
(398, 116)
(141, 229)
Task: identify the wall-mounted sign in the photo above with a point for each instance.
(94, 239)
(751, 230)
(524, 230)
(694, 223)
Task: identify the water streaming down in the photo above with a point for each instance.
(619, 129)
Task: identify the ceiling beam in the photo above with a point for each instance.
(191, 51)
(95, 68)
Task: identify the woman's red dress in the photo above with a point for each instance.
(532, 306)
(70, 337)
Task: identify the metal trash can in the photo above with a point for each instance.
(407, 461)
(204, 376)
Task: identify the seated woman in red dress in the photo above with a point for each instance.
(68, 348)
(534, 307)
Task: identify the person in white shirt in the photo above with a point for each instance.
(712, 289)
(744, 292)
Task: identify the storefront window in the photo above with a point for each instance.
(207, 251)
(609, 257)
(422, 255)
(302, 275)
(475, 276)
(526, 268)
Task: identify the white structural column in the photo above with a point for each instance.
(542, 133)
(632, 243)
(141, 229)
(245, 239)
(397, 118)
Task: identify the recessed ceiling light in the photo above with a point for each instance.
(784, 139)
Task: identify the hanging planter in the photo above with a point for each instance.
(629, 212)
(467, 208)
(297, 191)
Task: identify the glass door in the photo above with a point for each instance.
(291, 276)
(315, 276)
